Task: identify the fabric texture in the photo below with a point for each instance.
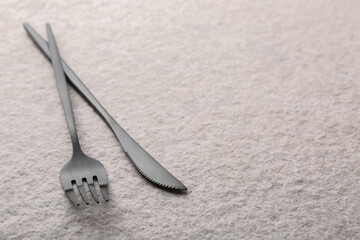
(253, 105)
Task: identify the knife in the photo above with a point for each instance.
(142, 160)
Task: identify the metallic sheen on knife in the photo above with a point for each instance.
(143, 161)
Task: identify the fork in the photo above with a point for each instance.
(80, 168)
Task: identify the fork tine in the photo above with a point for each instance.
(93, 191)
(83, 193)
(71, 195)
(104, 190)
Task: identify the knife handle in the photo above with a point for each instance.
(77, 83)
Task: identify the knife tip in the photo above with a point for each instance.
(180, 187)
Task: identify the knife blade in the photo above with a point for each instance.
(142, 160)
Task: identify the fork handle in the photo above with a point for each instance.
(63, 89)
(79, 85)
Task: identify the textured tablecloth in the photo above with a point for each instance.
(253, 105)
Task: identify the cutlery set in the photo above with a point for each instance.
(81, 168)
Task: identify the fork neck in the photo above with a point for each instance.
(76, 146)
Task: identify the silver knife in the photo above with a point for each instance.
(143, 161)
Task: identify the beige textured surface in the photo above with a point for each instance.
(254, 105)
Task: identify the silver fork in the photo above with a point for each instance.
(80, 168)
